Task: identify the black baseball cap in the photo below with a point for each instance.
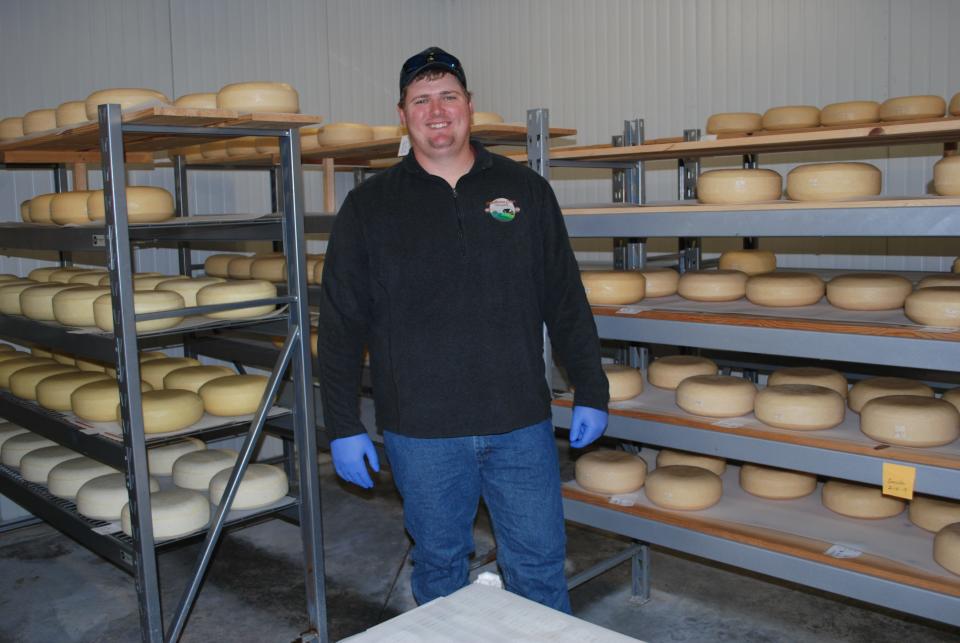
(431, 58)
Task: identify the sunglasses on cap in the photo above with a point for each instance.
(431, 58)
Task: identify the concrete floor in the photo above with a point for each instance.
(52, 589)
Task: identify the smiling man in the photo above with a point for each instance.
(447, 266)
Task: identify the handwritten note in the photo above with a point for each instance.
(898, 480)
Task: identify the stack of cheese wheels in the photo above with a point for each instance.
(874, 387)
(946, 176)
(10, 296)
(344, 134)
(781, 289)
(791, 117)
(195, 470)
(261, 485)
(625, 382)
(812, 375)
(203, 100)
(712, 285)
(852, 112)
(239, 267)
(668, 457)
(154, 371)
(233, 292)
(10, 367)
(385, 131)
(54, 392)
(169, 410)
(933, 514)
(683, 487)
(833, 181)
(859, 500)
(17, 446)
(74, 307)
(946, 548)
(734, 123)
(953, 396)
(216, 265)
(613, 287)
(66, 478)
(485, 118)
(738, 186)
(160, 459)
(39, 120)
(801, 407)
(174, 512)
(660, 282)
(126, 97)
(191, 378)
(70, 207)
(909, 420)
(273, 268)
(103, 498)
(187, 287)
(37, 302)
(668, 372)
(716, 395)
(98, 401)
(40, 208)
(949, 279)
(776, 484)
(233, 394)
(610, 472)
(11, 128)
(144, 301)
(937, 306)
(23, 383)
(259, 96)
(868, 291)
(35, 466)
(145, 204)
(72, 112)
(752, 262)
(905, 108)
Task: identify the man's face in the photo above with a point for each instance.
(437, 114)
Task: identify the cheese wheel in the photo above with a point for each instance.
(166, 411)
(10, 367)
(72, 112)
(10, 296)
(385, 131)
(25, 210)
(954, 108)
(734, 123)
(317, 272)
(716, 395)
(187, 287)
(946, 176)
(776, 484)
(344, 134)
(66, 478)
(791, 117)
(752, 262)
(270, 268)
(145, 204)
(739, 186)
(160, 459)
(233, 394)
(155, 370)
(683, 487)
(174, 512)
(191, 378)
(859, 500)
(485, 118)
(948, 279)
(203, 100)
(217, 150)
(668, 372)
(933, 514)
(74, 307)
(956, 265)
(88, 278)
(240, 266)
(35, 466)
(712, 285)
(946, 548)
(36, 302)
(610, 472)
(308, 139)
(905, 108)
(63, 275)
(39, 120)
(833, 181)
(150, 282)
(40, 208)
(852, 112)
(11, 128)
(937, 306)
(868, 291)
(908, 420)
(874, 387)
(233, 292)
(104, 497)
(17, 446)
(779, 289)
(143, 358)
(24, 382)
(625, 382)
(196, 469)
(43, 274)
(144, 301)
(669, 457)
(97, 401)
(259, 96)
(126, 97)
(39, 351)
(244, 146)
(801, 407)
(54, 392)
(261, 485)
(313, 262)
(953, 396)
(613, 287)
(660, 282)
(811, 375)
(9, 430)
(91, 365)
(216, 265)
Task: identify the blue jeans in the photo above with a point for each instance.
(518, 477)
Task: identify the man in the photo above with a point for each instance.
(446, 266)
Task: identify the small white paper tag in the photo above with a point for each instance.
(842, 551)
(729, 424)
(404, 146)
(631, 310)
(623, 501)
(708, 137)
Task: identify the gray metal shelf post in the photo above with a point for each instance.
(687, 172)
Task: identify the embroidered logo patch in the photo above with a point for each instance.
(502, 209)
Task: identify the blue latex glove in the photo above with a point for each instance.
(588, 424)
(348, 454)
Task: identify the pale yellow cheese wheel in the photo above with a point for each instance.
(233, 394)
(25, 210)
(17, 446)
(74, 307)
(90, 365)
(173, 513)
(385, 131)
(39, 120)
(104, 497)
(166, 411)
(191, 378)
(734, 123)
(203, 100)
(144, 301)
(160, 459)
(261, 485)
(10, 296)
(874, 387)
(194, 470)
(946, 548)
(610, 472)
(36, 302)
(39, 351)
(216, 265)
(126, 97)
(660, 282)
(187, 287)
(953, 396)
(40, 208)
(739, 186)
(43, 274)
(669, 457)
(780, 289)
(683, 487)
(62, 357)
(933, 514)
(613, 287)
(145, 204)
(245, 146)
(852, 112)
(776, 484)
(752, 262)
(859, 500)
(88, 278)
(712, 285)
(97, 401)
(800, 407)
(35, 466)
(11, 128)
(72, 112)
(9, 430)
(868, 291)
(954, 108)
(54, 392)
(909, 420)
(956, 265)
(946, 176)
(270, 268)
(344, 134)
(215, 151)
(316, 273)
(259, 96)
(150, 282)
(904, 108)
(833, 181)
(625, 382)
(485, 118)
(791, 117)
(239, 267)
(716, 395)
(64, 275)
(267, 145)
(308, 140)
(668, 372)
(948, 279)
(237, 291)
(155, 370)
(24, 382)
(937, 306)
(812, 375)
(66, 478)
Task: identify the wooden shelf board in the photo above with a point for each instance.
(46, 157)
(785, 205)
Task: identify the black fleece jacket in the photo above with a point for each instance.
(450, 300)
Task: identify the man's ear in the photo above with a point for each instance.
(403, 119)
